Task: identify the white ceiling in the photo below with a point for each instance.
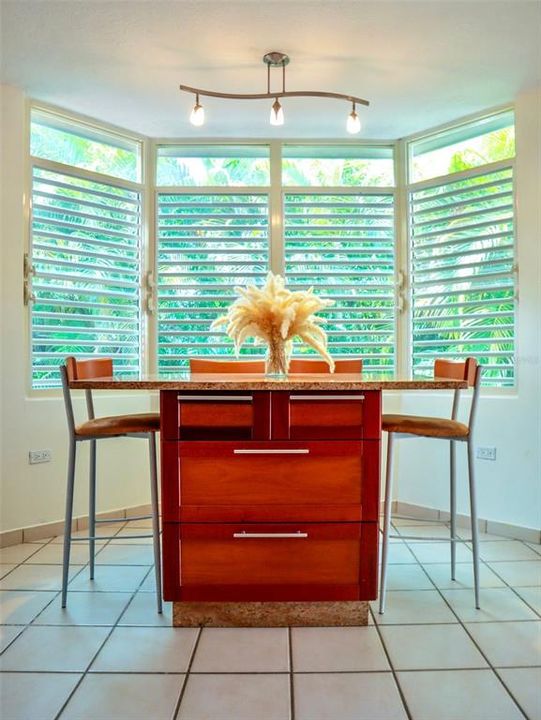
(419, 63)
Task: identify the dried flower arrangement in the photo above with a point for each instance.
(275, 315)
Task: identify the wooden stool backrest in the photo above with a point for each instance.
(200, 365)
(468, 370)
(302, 365)
(89, 369)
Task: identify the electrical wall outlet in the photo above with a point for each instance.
(486, 453)
(39, 456)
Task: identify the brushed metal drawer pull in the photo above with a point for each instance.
(216, 398)
(243, 534)
(262, 451)
(326, 397)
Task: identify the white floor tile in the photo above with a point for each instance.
(439, 552)
(455, 694)
(138, 649)
(125, 697)
(408, 577)
(126, 536)
(242, 650)
(496, 604)
(525, 686)
(115, 554)
(413, 606)
(21, 606)
(420, 647)
(536, 547)
(85, 608)
(424, 531)
(523, 573)
(15, 554)
(531, 595)
(509, 644)
(54, 649)
(506, 550)
(236, 697)
(6, 569)
(36, 577)
(53, 555)
(351, 696)
(8, 633)
(110, 578)
(142, 610)
(399, 553)
(440, 574)
(337, 649)
(36, 696)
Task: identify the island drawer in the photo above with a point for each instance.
(276, 481)
(215, 415)
(333, 415)
(278, 561)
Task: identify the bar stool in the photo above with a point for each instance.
(307, 365)
(202, 365)
(398, 426)
(144, 425)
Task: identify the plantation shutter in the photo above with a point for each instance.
(463, 285)
(208, 243)
(343, 245)
(86, 263)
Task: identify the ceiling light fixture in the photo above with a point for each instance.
(275, 60)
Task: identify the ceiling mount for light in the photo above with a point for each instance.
(275, 60)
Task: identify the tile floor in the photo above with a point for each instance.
(109, 656)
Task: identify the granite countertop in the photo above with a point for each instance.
(238, 381)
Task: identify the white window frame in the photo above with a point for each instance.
(276, 191)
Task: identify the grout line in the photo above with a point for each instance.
(85, 672)
(393, 671)
(176, 709)
(291, 671)
(480, 650)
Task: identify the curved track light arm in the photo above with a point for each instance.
(267, 95)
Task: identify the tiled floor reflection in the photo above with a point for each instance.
(110, 656)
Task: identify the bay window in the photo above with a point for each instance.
(136, 263)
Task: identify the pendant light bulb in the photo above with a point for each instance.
(197, 116)
(276, 113)
(353, 124)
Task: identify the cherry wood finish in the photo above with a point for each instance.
(270, 462)
(203, 365)
(305, 365)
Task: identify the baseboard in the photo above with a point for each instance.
(48, 530)
(506, 530)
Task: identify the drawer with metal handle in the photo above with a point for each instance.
(214, 415)
(282, 561)
(259, 481)
(333, 416)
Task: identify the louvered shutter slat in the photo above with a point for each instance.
(86, 300)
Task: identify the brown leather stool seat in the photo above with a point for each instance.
(119, 425)
(424, 426)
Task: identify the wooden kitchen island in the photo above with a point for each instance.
(270, 495)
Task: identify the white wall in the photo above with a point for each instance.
(34, 494)
(509, 489)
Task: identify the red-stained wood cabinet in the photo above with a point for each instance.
(270, 495)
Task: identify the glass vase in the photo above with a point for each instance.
(277, 360)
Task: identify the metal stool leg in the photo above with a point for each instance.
(155, 518)
(68, 520)
(453, 507)
(474, 523)
(386, 523)
(92, 506)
